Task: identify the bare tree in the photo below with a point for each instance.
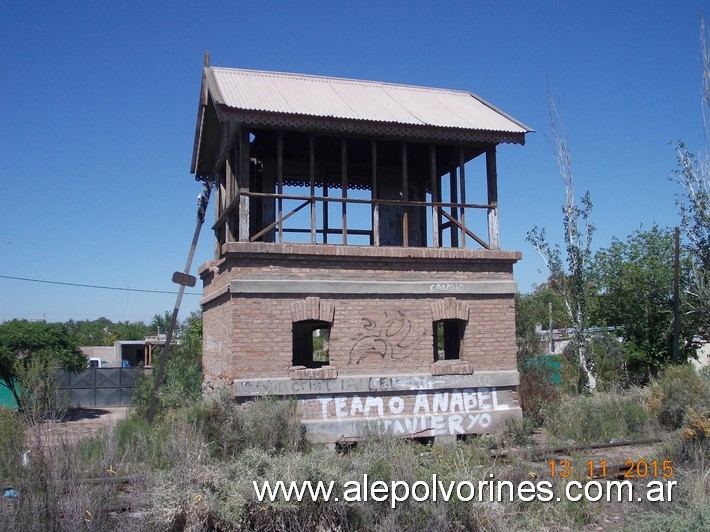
(569, 272)
(693, 175)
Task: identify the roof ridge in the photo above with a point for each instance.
(352, 81)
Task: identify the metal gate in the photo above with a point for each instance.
(96, 387)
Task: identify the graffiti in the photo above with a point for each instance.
(286, 387)
(392, 340)
(451, 412)
(446, 287)
(380, 384)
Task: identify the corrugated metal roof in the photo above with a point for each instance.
(347, 99)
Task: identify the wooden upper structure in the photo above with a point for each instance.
(298, 158)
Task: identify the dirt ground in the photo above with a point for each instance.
(81, 422)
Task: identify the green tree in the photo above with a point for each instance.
(103, 331)
(160, 324)
(633, 282)
(532, 313)
(27, 346)
(569, 272)
(182, 381)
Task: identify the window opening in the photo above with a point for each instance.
(311, 340)
(448, 339)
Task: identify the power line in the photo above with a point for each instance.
(95, 286)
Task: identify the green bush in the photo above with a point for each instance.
(599, 418)
(677, 389)
(537, 391)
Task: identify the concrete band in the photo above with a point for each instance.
(343, 430)
(373, 384)
(312, 287)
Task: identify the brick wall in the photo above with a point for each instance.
(250, 335)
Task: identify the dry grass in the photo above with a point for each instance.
(194, 471)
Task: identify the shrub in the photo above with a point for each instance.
(599, 418)
(537, 391)
(677, 389)
(272, 424)
(12, 443)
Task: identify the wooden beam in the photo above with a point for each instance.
(405, 196)
(439, 182)
(375, 205)
(492, 181)
(312, 177)
(325, 209)
(344, 185)
(230, 192)
(453, 198)
(456, 223)
(244, 184)
(434, 193)
(279, 222)
(229, 135)
(367, 201)
(280, 181)
(462, 182)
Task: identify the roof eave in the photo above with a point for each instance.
(331, 125)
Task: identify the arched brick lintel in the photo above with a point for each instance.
(312, 308)
(449, 309)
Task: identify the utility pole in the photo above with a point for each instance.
(183, 279)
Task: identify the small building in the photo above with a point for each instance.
(357, 263)
(127, 353)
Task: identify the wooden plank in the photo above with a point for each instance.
(244, 184)
(344, 186)
(280, 181)
(312, 176)
(434, 193)
(375, 205)
(492, 184)
(405, 196)
(462, 182)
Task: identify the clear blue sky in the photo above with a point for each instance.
(99, 102)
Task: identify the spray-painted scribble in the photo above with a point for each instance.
(392, 340)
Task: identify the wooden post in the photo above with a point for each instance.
(220, 205)
(440, 220)
(492, 183)
(405, 196)
(462, 183)
(375, 206)
(231, 193)
(453, 198)
(434, 195)
(325, 210)
(312, 174)
(344, 186)
(244, 184)
(280, 181)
